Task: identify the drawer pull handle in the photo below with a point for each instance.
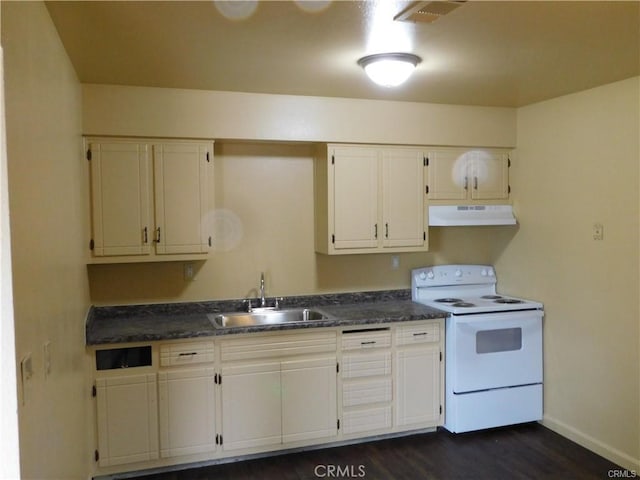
(187, 354)
(420, 334)
(372, 342)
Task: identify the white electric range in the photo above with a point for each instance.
(493, 347)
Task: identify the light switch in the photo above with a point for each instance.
(188, 271)
(395, 262)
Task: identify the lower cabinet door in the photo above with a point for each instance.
(309, 399)
(187, 411)
(418, 386)
(251, 405)
(127, 411)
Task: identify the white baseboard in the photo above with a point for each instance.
(607, 451)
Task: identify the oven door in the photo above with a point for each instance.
(494, 350)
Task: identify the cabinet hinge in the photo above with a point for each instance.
(508, 162)
(440, 356)
(440, 409)
(209, 241)
(426, 161)
(208, 158)
(94, 391)
(426, 190)
(333, 238)
(96, 455)
(338, 424)
(424, 236)
(508, 188)
(89, 154)
(91, 244)
(333, 159)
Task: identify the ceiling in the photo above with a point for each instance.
(505, 53)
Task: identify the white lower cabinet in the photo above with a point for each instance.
(199, 400)
(251, 405)
(127, 417)
(278, 389)
(187, 402)
(418, 374)
(187, 411)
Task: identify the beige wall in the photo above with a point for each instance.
(264, 197)
(577, 163)
(47, 198)
(141, 111)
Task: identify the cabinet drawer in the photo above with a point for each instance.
(190, 353)
(366, 392)
(363, 420)
(360, 365)
(277, 346)
(366, 340)
(424, 333)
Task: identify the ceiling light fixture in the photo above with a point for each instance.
(389, 69)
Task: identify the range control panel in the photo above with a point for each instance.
(443, 275)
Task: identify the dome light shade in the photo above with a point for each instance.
(389, 69)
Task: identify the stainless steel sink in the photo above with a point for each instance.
(266, 316)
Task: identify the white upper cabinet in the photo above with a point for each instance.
(150, 201)
(369, 199)
(462, 175)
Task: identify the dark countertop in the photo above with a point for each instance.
(140, 323)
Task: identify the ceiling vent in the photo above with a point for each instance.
(428, 12)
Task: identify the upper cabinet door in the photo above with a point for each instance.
(490, 175)
(403, 198)
(447, 177)
(355, 198)
(461, 175)
(180, 179)
(120, 198)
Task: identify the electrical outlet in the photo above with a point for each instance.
(395, 262)
(598, 231)
(188, 271)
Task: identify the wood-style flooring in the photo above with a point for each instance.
(528, 451)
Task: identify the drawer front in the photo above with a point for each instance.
(366, 340)
(360, 365)
(368, 419)
(188, 353)
(424, 333)
(278, 346)
(366, 392)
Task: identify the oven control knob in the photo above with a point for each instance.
(483, 272)
(430, 275)
(423, 276)
(490, 273)
(458, 273)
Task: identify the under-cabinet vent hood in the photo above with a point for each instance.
(461, 215)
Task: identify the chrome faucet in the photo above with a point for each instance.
(263, 301)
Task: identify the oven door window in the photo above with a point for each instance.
(499, 340)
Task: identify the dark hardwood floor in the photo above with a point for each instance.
(528, 451)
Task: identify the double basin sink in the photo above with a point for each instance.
(267, 316)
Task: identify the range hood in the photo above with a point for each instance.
(461, 215)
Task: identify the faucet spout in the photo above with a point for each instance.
(263, 301)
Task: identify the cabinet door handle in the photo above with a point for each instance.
(466, 183)
(475, 183)
(146, 235)
(375, 231)
(386, 230)
(158, 235)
